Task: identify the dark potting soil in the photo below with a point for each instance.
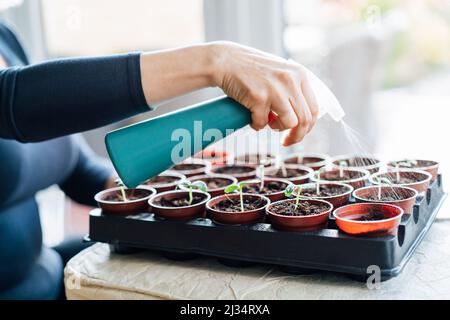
(304, 208)
(388, 195)
(161, 180)
(215, 183)
(179, 202)
(132, 194)
(372, 216)
(359, 162)
(269, 187)
(384, 197)
(232, 205)
(420, 163)
(305, 160)
(325, 191)
(188, 166)
(290, 173)
(335, 175)
(255, 158)
(233, 170)
(404, 179)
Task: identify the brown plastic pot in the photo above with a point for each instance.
(313, 160)
(365, 162)
(356, 183)
(162, 187)
(178, 213)
(236, 218)
(255, 159)
(423, 178)
(124, 207)
(275, 196)
(202, 166)
(338, 200)
(299, 223)
(407, 196)
(346, 218)
(295, 179)
(429, 166)
(250, 171)
(206, 178)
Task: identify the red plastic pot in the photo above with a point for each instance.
(202, 167)
(250, 171)
(313, 160)
(429, 166)
(215, 157)
(346, 218)
(255, 159)
(338, 200)
(301, 178)
(356, 183)
(407, 196)
(275, 196)
(217, 191)
(124, 207)
(299, 223)
(162, 187)
(423, 178)
(365, 162)
(235, 218)
(178, 213)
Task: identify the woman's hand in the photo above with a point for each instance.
(263, 83)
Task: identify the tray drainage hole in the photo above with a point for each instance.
(416, 214)
(428, 196)
(401, 234)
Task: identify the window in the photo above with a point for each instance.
(416, 34)
(95, 27)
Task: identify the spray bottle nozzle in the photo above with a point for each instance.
(326, 100)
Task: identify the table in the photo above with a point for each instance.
(96, 273)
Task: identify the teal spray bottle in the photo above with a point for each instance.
(145, 149)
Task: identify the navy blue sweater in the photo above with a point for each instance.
(39, 106)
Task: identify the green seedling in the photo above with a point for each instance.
(239, 188)
(319, 172)
(260, 174)
(403, 163)
(342, 164)
(409, 163)
(382, 180)
(279, 165)
(190, 186)
(291, 190)
(120, 184)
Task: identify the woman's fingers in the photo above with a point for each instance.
(311, 100)
(260, 110)
(304, 116)
(292, 136)
(305, 110)
(259, 117)
(285, 113)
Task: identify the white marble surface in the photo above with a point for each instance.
(97, 274)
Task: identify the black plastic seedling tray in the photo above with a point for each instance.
(327, 249)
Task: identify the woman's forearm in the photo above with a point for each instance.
(170, 73)
(60, 97)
